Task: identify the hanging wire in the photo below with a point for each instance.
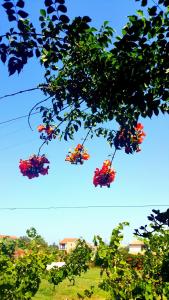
(18, 118)
(84, 207)
(156, 4)
(20, 92)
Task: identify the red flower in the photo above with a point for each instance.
(41, 128)
(140, 134)
(34, 166)
(24, 165)
(49, 130)
(130, 139)
(85, 156)
(67, 158)
(105, 176)
(78, 155)
(139, 127)
(79, 147)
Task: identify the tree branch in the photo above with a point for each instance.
(30, 113)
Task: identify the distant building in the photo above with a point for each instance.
(68, 244)
(10, 237)
(136, 247)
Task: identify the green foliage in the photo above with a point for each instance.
(86, 294)
(155, 265)
(123, 276)
(135, 261)
(159, 220)
(65, 290)
(20, 277)
(120, 278)
(57, 275)
(36, 240)
(91, 75)
(7, 247)
(136, 277)
(23, 242)
(77, 262)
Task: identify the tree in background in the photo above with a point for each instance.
(35, 238)
(76, 263)
(20, 276)
(23, 242)
(148, 277)
(145, 277)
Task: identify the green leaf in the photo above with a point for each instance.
(43, 12)
(106, 23)
(144, 2)
(132, 18)
(140, 12)
(124, 31)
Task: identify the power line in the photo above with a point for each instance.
(20, 92)
(156, 4)
(18, 118)
(84, 207)
(17, 145)
(28, 115)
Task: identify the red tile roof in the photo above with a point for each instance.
(68, 240)
(12, 237)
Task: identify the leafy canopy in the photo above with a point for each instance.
(92, 75)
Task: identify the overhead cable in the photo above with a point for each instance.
(18, 118)
(84, 207)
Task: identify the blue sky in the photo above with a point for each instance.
(141, 179)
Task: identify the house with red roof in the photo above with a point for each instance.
(10, 237)
(68, 244)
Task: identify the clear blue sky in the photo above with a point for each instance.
(141, 179)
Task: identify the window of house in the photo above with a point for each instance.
(62, 246)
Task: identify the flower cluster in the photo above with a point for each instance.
(105, 176)
(78, 155)
(34, 166)
(139, 134)
(129, 139)
(48, 130)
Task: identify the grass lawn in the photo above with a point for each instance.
(64, 291)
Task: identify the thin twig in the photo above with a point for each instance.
(41, 147)
(60, 124)
(113, 156)
(30, 113)
(64, 119)
(86, 136)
